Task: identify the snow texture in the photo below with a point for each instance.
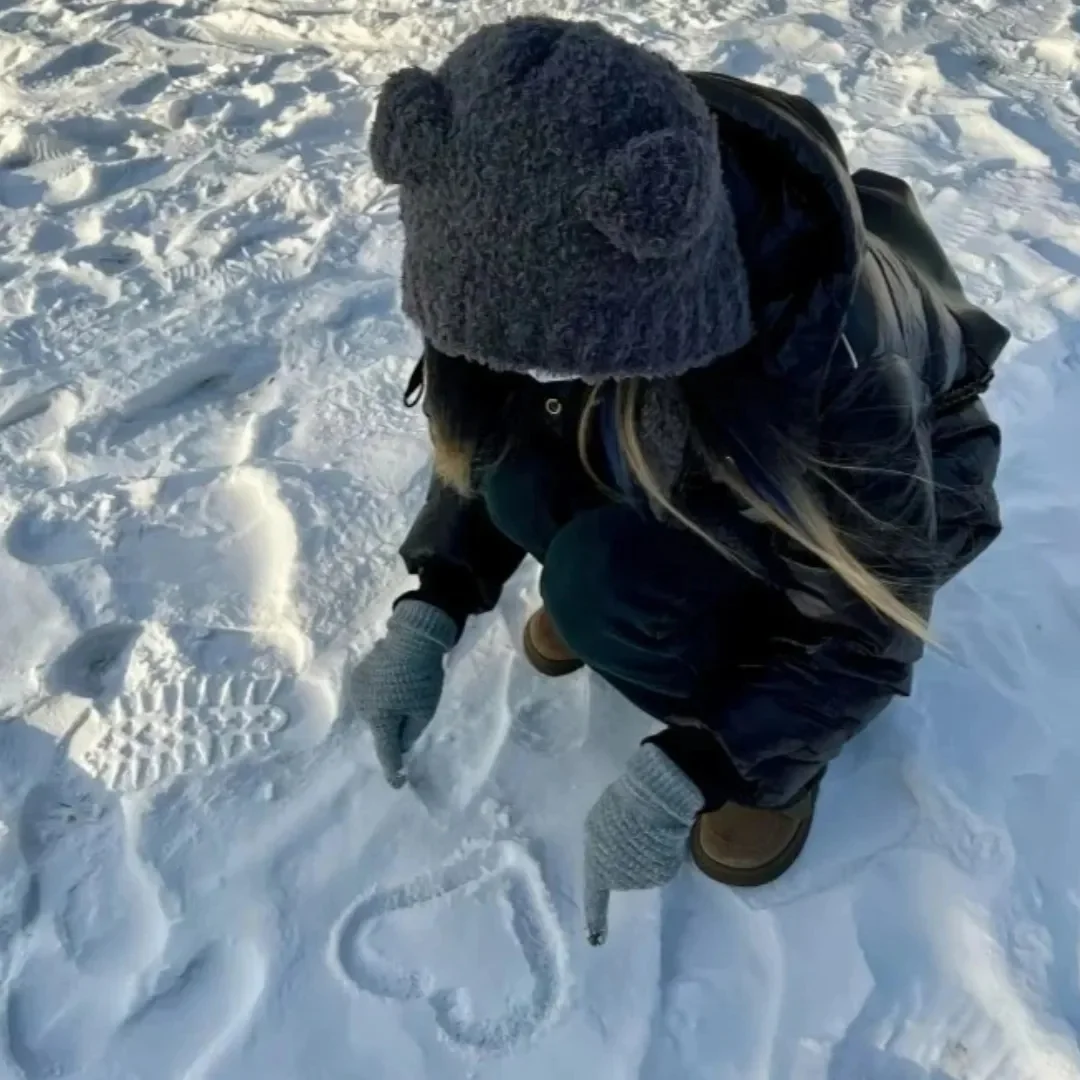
(206, 469)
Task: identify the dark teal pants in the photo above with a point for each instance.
(652, 608)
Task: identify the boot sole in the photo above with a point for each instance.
(748, 877)
(553, 669)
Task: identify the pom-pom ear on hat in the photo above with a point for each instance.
(411, 123)
(656, 195)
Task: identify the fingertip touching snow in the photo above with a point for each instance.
(207, 471)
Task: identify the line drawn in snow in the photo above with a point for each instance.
(520, 892)
(197, 723)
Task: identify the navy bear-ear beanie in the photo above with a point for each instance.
(563, 202)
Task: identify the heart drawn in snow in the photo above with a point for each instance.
(511, 884)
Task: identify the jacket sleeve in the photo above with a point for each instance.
(840, 662)
(460, 556)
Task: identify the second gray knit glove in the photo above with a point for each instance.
(397, 686)
(637, 833)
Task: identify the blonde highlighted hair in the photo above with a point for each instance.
(454, 457)
(801, 517)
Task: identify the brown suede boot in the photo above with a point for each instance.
(739, 845)
(545, 649)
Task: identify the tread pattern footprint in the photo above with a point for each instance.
(28, 408)
(533, 923)
(86, 666)
(88, 877)
(194, 1013)
(212, 381)
(73, 59)
(32, 428)
(944, 1002)
(198, 723)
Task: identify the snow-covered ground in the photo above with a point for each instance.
(205, 471)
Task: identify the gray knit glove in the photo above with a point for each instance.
(637, 833)
(397, 686)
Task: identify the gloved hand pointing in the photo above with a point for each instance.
(638, 833)
(397, 686)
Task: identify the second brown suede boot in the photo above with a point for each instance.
(545, 649)
(741, 845)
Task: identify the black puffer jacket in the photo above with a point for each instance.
(870, 355)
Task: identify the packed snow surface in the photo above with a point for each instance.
(206, 469)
